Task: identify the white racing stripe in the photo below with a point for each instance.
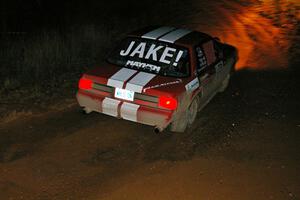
(129, 111)
(175, 35)
(118, 79)
(156, 33)
(139, 81)
(110, 106)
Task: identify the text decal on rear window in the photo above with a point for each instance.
(152, 56)
(149, 67)
(139, 50)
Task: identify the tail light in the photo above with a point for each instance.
(167, 102)
(85, 84)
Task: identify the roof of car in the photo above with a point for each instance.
(169, 34)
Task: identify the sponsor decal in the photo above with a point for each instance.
(193, 85)
(219, 66)
(141, 65)
(163, 85)
(156, 52)
(201, 59)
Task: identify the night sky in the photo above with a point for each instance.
(18, 15)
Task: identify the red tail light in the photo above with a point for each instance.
(85, 84)
(167, 102)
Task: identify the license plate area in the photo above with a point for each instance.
(124, 94)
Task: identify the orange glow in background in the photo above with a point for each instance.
(262, 30)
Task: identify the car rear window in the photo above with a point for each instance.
(152, 56)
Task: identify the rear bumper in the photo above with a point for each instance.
(125, 110)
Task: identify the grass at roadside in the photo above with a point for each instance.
(43, 66)
(38, 69)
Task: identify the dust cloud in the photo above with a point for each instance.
(261, 30)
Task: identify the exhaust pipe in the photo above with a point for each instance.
(158, 130)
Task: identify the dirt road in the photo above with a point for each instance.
(244, 144)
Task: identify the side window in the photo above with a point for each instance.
(209, 51)
(208, 54)
(201, 60)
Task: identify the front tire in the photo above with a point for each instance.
(225, 83)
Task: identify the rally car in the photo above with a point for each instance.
(159, 76)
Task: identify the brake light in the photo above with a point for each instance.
(167, 102)
(85, 84)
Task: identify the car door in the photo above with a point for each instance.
(206, 71)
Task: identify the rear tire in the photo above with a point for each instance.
(187, 118)
(86, 110)
(179, 125)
